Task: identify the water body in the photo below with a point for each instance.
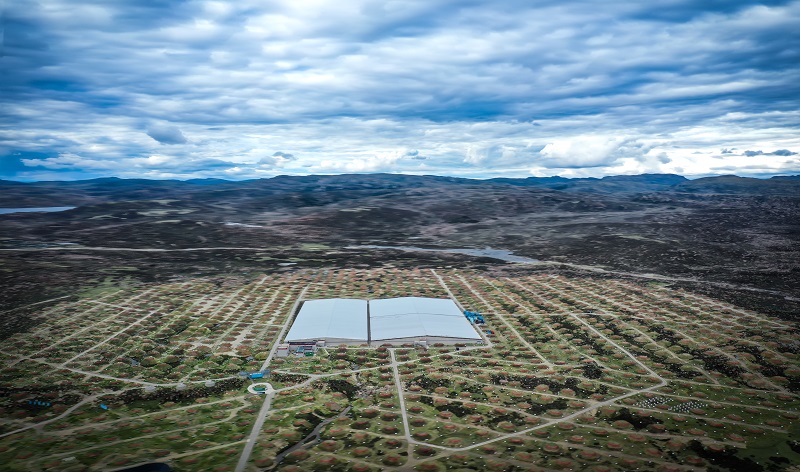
(6, 211)
(501, 254)
(243, 225)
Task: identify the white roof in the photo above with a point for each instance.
(409, 317)
(332, 318)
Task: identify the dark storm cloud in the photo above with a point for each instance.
(278, 159)
(508, 84)
(684, 10)
(779, 152)
(783, 152)
(165, 134)
(415, 155)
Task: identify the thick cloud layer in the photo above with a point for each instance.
(248, 88)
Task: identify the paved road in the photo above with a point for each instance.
(133, 249)
(483, 335)
(37, 303)
(262, 415)
(285, 327)
(400, 395)
(251, 441)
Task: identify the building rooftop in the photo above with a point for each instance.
(332, 318)
(412, 317)
(344, 320)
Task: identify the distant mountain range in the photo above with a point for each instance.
(46, 193)
(730, 230)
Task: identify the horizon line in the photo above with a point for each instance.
(177, 179)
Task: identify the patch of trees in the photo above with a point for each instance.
(454, 408)
(537, 409)
(794, 446)
(768, 369)
(638, 422)
(664, 334)
(350, 444)
(287, 378)
(592, 371)
(343, 386)
(726, 458)
(579, 333)
(511, 417)
(719, 363)
(530, 382)
(178, 396)
(428, 383)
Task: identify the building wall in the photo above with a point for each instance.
(332, 341)
(430, 339)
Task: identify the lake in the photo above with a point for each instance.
(501, 254)
(6, 211)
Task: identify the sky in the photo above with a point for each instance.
(513, 88)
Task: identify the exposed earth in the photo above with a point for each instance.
(734, 238)
(644, 322)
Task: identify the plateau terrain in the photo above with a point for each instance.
(629, 323)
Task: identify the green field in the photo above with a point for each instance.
(580, 373)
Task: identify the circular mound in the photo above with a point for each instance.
(425, 450)
(393, 443)
(551, 448)
(329, 445)
(392, 460)
(430, 467)
(362, 451)
(297, 456)
(389, 430)
(453, 442)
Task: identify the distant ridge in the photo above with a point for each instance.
(113, 189)
(742, 185)
(609, 184)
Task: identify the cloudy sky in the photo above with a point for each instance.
(250, 88)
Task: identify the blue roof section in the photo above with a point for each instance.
(332, 318)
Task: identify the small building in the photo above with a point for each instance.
(283, 350)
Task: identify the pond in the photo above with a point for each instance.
(501, 254)
(7, 211)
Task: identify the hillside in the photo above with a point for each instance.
(725, 230)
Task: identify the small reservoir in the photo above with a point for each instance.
(8, 211)
(501, 254)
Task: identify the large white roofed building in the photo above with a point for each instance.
(333, 320)
(409, 319)
(385, 321)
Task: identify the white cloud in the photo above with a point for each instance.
(581, 151)
(357, 86)
(379, 162)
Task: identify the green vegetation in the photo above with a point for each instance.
(599, 373)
